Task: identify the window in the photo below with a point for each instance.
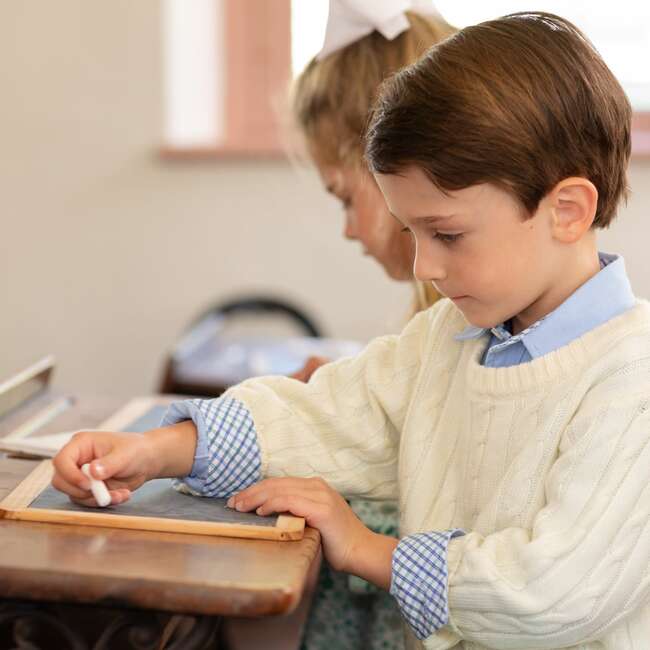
(619, 30)
(227, 61)
(194, 76)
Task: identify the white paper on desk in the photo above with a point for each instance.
(148, 415)
(42, 446)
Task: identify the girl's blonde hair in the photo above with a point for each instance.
(331, 98)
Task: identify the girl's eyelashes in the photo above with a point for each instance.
(344, 199)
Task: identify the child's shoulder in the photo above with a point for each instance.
(626, 335)
(619, 350)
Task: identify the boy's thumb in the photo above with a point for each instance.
(107, 466)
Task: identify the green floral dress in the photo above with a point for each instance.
(349, 613)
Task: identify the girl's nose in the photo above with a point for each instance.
(350, 229)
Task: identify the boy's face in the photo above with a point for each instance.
(477, 248)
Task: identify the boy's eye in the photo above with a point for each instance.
(447, 237)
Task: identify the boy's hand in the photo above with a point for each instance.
(122, 460)
(344, 536)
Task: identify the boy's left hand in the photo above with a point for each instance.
(342, 532)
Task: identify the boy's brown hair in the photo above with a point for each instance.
(521, 102)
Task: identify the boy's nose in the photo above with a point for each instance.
(428, 267)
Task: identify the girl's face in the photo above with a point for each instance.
(368, 221)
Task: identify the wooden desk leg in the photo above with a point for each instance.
(52, 626)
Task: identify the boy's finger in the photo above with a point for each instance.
(112, 463)
(247, 501)
(281, 483)
(117, 497)
(256, 494)
(66, 464)
(88, 502)
(59, 483)
(298, 505)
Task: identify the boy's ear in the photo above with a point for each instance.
(573, 203)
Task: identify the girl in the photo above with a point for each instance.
(330, 101)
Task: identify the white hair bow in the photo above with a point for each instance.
(350, 20)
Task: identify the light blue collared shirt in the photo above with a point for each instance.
(604, 296)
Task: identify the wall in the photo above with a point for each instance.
(106, 251)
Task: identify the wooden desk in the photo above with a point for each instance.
(195, 575)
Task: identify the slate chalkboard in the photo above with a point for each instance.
(150, 419)
(159, 499)
(157, 505)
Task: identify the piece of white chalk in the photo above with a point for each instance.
(97, 487)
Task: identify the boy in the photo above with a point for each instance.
(512, 419)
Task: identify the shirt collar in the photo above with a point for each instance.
(605, 295)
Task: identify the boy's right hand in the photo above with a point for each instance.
(124, 461)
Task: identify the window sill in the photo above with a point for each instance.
(225, 152)
(273, 151)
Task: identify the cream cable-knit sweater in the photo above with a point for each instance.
(545, 465)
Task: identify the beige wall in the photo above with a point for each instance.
(106, 251)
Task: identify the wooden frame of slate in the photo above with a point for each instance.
(155, 506)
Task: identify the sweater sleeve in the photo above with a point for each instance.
(343, 425)
(585, 564)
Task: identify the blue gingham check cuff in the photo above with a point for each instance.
(419, 580)
(227, 458)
